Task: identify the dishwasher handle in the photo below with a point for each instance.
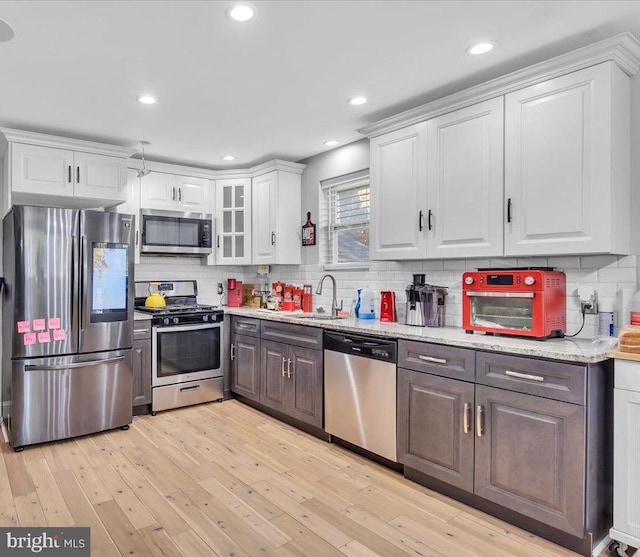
(367, 347)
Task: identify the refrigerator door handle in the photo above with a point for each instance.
(74, 365)
(75, 279)
(83, 308)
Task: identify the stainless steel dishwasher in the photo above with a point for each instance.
(360, 391)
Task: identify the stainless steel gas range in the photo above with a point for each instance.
(186, 345)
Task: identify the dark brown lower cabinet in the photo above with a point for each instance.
(292, 381)
(141, 359)
(245, 366)
(528, 437)
(530, 456)
(435, 433)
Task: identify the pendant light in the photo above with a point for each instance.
(144, 170)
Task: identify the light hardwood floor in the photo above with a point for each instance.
(224, 479)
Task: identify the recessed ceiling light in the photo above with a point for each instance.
(330, 143)
(228, 158)
(481, 48)
(241, 12)
(146, 99)
(355, 101)
(6, 32)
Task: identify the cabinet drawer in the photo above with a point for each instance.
(555, 380)
(297, 335)
(245, 326)
(447, 361)
(142, 329)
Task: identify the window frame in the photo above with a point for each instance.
(351, 181)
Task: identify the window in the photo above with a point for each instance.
(345, 220)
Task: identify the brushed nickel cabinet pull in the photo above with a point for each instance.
(432, 359)
(480, 421)
(233, 352)
(523, 375)
(282, 369)
(289, 368)
(466, 418)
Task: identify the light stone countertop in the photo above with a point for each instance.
(570, 350)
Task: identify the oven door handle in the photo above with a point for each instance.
(479, 294)
(184, 328)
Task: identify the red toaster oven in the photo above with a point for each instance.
(529, 302)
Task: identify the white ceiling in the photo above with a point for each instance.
(276, 86)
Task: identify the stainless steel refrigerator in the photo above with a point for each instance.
(67, 323)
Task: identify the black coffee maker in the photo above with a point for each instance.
(414, 314)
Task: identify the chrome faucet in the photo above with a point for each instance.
(334, 301)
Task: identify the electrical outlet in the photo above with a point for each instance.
(590, 306)
(220, 288)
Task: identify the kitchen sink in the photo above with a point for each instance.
(301, 315)
(317, 316)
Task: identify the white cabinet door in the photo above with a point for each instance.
(465, 182)
(233, 221)
(566, 164)
(398, 194)
(276, 221)
(100, 177)
(626, 462)
(193, 194)
(158, 191)
(264, 194)
(42, 170)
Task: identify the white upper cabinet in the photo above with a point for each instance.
(41, 170)
(567, 164)
(233, 221)
(49, 170)
(398, 194)
(465, 182)
(276, 197)
(533, 163)
(193, 193)
(170, 192)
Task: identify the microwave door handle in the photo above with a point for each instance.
(477, 294)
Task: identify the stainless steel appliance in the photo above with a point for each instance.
(433, 304)
(186, 345)
(176, 233)
(414, 314)
(360, 391)
(67, 323)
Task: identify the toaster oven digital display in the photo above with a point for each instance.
(500, 280)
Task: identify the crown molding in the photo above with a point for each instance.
(623, 50)
(45, 140)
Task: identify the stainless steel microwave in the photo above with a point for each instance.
(175, 233)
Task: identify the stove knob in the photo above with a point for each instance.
(529, 280)
(176, 320)
(468, 280)
(166, 320)
(205, 318)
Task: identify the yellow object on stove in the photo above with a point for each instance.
(155, 300)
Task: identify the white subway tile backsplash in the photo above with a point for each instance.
(608, 275)
(617, 274)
